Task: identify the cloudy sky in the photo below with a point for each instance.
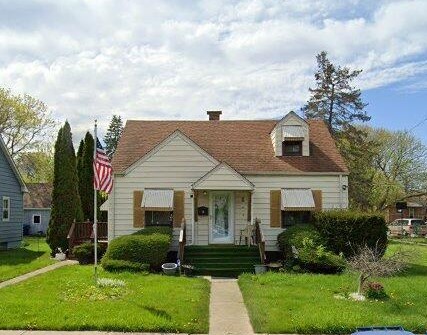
(177, 59)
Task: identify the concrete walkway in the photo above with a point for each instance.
(227, 311)
(36, 273)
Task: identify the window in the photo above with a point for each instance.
(158, 218)
(292, 218)
(292, 148)
(37, 219)
(411, 212)
(6, 209)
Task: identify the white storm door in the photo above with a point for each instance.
(221, 217)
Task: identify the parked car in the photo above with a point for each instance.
(407, 227)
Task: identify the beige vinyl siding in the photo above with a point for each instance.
(176, 165)
(223, 178)
(329, 185)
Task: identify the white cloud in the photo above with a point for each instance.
(176, 59)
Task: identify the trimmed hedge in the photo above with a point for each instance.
(295, 235)
(115, 265)
(142, 249)
(85, 252)
(155, 230)
(347, 231)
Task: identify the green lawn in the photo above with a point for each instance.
(66, 299)
(305, 303)
(34, 255)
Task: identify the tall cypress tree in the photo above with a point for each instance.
(86, 177)
(66, 204)
(112, 137)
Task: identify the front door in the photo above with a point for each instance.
(222, 218)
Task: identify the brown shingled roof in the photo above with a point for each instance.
(39, 196)
(244, 145)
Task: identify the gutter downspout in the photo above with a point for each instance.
(192, 218)
(341, 191)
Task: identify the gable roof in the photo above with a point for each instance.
(223, 171)
(39, 196)
(244, 145)
(12, 164)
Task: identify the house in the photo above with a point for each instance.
(221, 175)
(12, 189)
(416, 207)
(37, 207)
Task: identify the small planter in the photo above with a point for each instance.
(169, 269)
(260, 268)
(60, 256)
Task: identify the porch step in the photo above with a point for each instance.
(222, 260)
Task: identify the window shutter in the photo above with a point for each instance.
(317, 196)
(178, 208)
(249, 206)
(138, 211)
(275, 208)
(196, 204)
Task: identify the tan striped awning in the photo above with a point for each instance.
(157, 200)
(293, 132)
(297, 199)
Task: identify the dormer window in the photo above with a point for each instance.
(292, 148)
(291, 136)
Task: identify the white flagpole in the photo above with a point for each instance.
(95, 212)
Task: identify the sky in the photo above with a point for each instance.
(177, 59)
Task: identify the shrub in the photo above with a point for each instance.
(155, 230)
(375, 291)
(115, 265)
(85, 252)
(315, 258)
(348, 231)
(142, 249)
(294, 237)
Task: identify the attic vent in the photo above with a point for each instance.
(214, 115)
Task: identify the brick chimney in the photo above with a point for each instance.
(214, 115)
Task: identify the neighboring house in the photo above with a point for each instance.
(416, 208)
(221, 175)
(12, 189)
(37, 207)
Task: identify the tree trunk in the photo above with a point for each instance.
(331, 108)
(362, 280)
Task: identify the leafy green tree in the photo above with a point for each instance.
(114, 132)
(66, 204)
(334, 99)
(400, 165)
(36, 166)
(25, 122)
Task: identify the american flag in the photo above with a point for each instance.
(102, 170)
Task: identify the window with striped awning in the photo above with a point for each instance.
(297, 199)
(157, 200)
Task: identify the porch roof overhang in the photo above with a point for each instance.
(157, 200)
(297, 199)
(223, 177)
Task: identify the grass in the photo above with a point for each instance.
(33, 255)
(305, 303)
(67, 299)
(410, 240)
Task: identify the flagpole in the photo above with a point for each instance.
(95, 211)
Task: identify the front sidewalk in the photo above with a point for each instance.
(227, 310)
